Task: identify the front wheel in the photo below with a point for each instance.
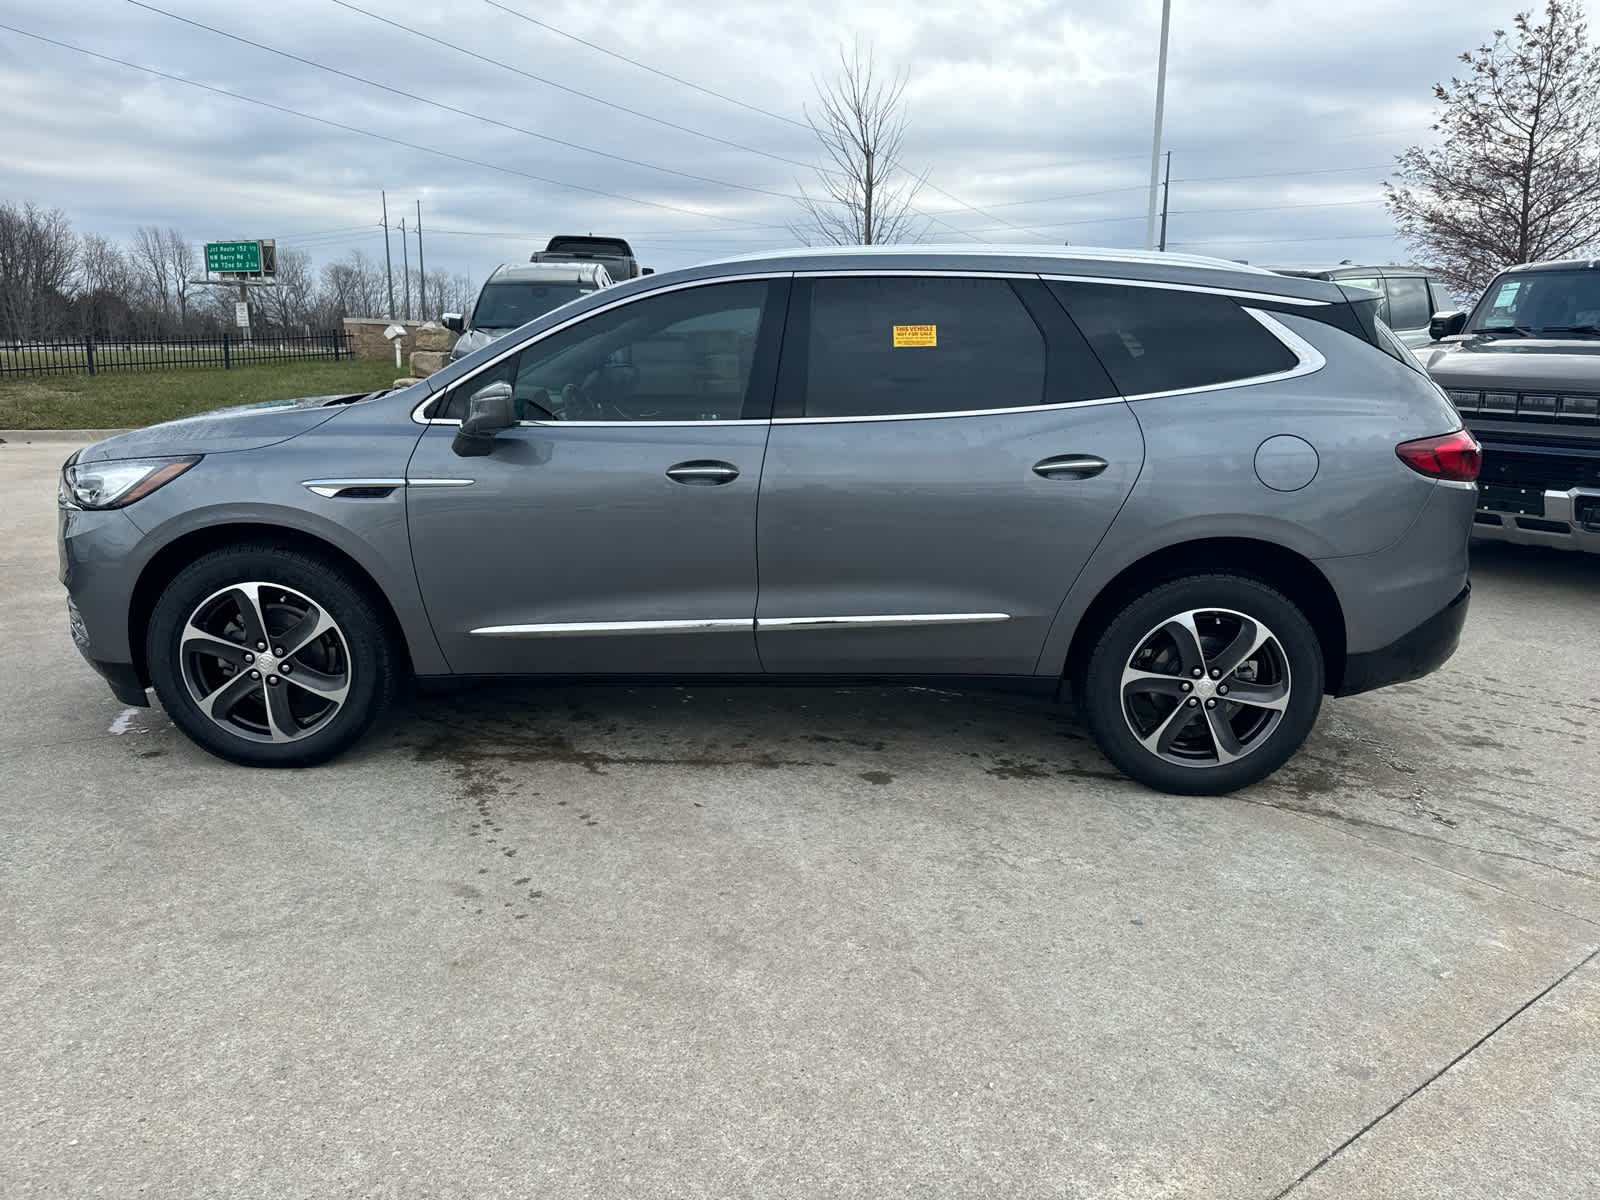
(268, 656)
(1204, 685)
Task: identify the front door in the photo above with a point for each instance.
(947, 453)
(612, 530)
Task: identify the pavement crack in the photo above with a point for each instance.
(1439, 1074)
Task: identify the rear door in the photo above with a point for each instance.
(614, 529)
(945, 456)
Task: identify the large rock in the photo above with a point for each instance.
(426, 362)
(432, 336)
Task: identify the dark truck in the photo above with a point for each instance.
(613, 253)
(1524, 371)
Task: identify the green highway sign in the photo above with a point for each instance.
(226, 257)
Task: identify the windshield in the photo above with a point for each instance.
(1539, 302)
(507, 305)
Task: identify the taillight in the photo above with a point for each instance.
(1454, 456)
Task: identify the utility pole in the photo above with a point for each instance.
(1166, 190)
(388, 262)
(1155, 147)
(422, 273)
(405, 268)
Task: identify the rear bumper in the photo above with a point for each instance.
(1411, 656)
(1569, 520)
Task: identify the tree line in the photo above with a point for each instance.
(57, 283)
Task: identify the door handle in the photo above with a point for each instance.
(703, 471)
(1070, 466)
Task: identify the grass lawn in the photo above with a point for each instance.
(127, 399)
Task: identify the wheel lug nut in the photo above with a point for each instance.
(285, 668)
(248, 657)
(1222, 689)
(1187, 686)
(1198, 672)
(261, 645)
(1216, 674)
(1209, 703)
(1192, 702)
(273, 680)
(255, 674)
(277, 651)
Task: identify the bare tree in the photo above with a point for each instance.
(166, 265)
(38, 259)
(1516, 177)
(288, 305)
(866, 195)
(353, 287)
(107, 289)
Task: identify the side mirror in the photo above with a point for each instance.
(1446, 324)
(490, 410)
(453, 322)
(647, 270)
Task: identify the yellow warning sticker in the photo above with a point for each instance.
(916, 335)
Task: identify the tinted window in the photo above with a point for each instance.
(683, 356)
(507, 305)
(1408, 302)
(1163, 340)
(895, 345)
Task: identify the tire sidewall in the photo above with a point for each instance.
(371, 669)
(1101, 690)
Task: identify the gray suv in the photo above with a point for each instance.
(1199, 495)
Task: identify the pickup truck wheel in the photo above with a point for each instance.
(1204, 685)
(268, 656)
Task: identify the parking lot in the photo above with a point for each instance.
(804, 942)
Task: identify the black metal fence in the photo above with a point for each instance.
(91, 355)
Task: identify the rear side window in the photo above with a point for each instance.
(1164, 340)
(884, 346)
(1408, 302)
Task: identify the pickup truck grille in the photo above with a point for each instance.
(1540, 472)
(1577, 408)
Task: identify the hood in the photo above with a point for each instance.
(242, 427)
(1515, 364)
(475, 339)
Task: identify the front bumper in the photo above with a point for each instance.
(1411, 656)
(1568, 520)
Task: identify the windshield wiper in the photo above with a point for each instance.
(1589, 329)
(1519, 330)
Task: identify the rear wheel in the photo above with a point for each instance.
(1204, 685)
(269, 656)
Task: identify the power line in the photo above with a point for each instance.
(450, 108)
(1342, 237)
(644, 116)
(645, 66)
(382, 137)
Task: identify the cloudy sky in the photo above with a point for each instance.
(1031, 118)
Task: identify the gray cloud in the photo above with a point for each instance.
(1036, 113)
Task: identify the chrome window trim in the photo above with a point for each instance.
(433, 483)
(433, 397)
(906, 272)
(880, 621)
(605, 628)
(1206, 289)
(1309, 361)
(965, 412)
(621, 424)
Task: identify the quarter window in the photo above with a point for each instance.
(683, 356)
(894, 345)
(1166, 340)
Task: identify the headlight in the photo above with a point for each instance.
(119, 482)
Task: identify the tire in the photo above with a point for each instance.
(1141, 677)
(301, 708)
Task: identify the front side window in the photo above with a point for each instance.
(1167, 340)
(682, 356)
(896, 345)
(1408, 302)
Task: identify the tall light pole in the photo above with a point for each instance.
(1155, 148)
